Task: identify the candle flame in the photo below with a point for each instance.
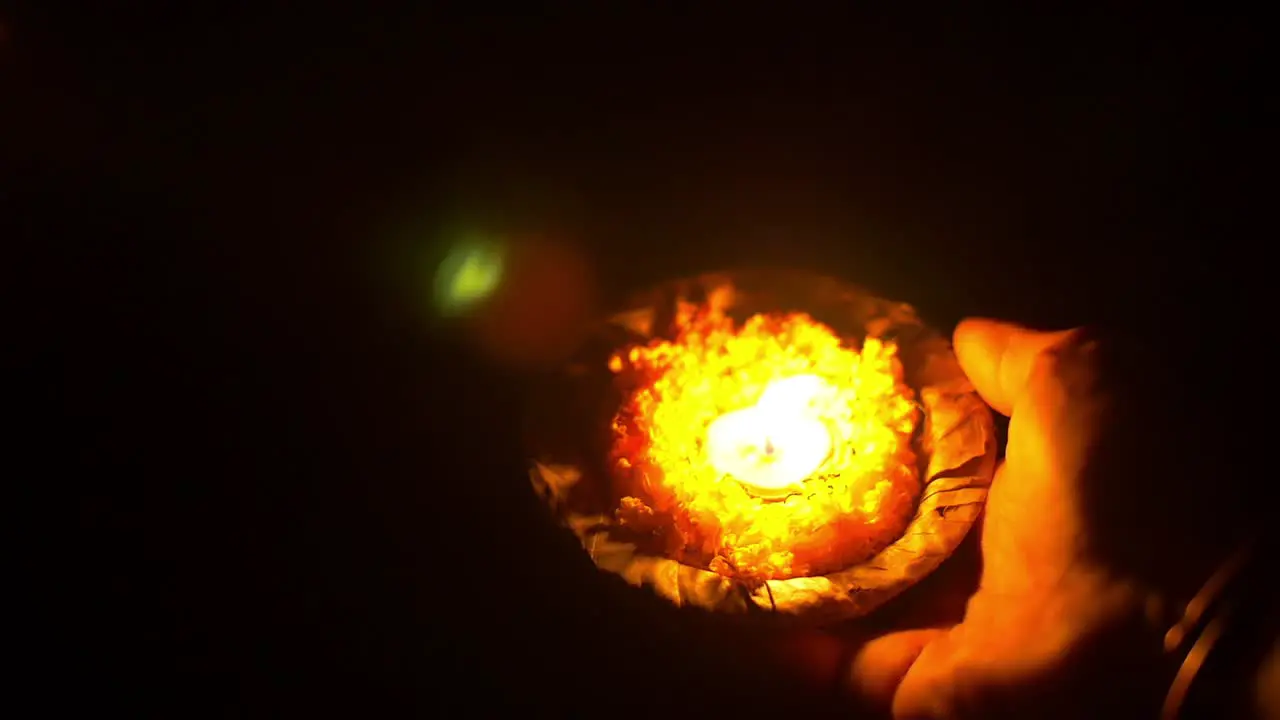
(774, 445)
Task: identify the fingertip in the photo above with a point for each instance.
(879, 667)
(980, 345)
(975, 324)
(998, 356)
(984, 334)
(927, 687)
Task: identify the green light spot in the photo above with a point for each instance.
(469, 274)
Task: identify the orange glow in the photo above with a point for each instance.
(812, 476)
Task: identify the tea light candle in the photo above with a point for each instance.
(773, 446)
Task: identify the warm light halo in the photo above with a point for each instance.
(859, 500)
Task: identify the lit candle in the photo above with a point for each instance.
(773, 446)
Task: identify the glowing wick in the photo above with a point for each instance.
(773, 446)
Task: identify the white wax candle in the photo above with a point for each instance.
(773, 446)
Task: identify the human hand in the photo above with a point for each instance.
(1066, 618)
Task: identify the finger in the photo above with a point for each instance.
(927, 690)
(879, 666)
(998, 357)
(865, 671)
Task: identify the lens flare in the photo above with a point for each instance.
(469, 274)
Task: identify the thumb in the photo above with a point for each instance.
(998, 357)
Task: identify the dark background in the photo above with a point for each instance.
(298, 493)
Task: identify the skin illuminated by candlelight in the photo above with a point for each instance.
(773, 446)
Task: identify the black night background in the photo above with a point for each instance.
(294, 490)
